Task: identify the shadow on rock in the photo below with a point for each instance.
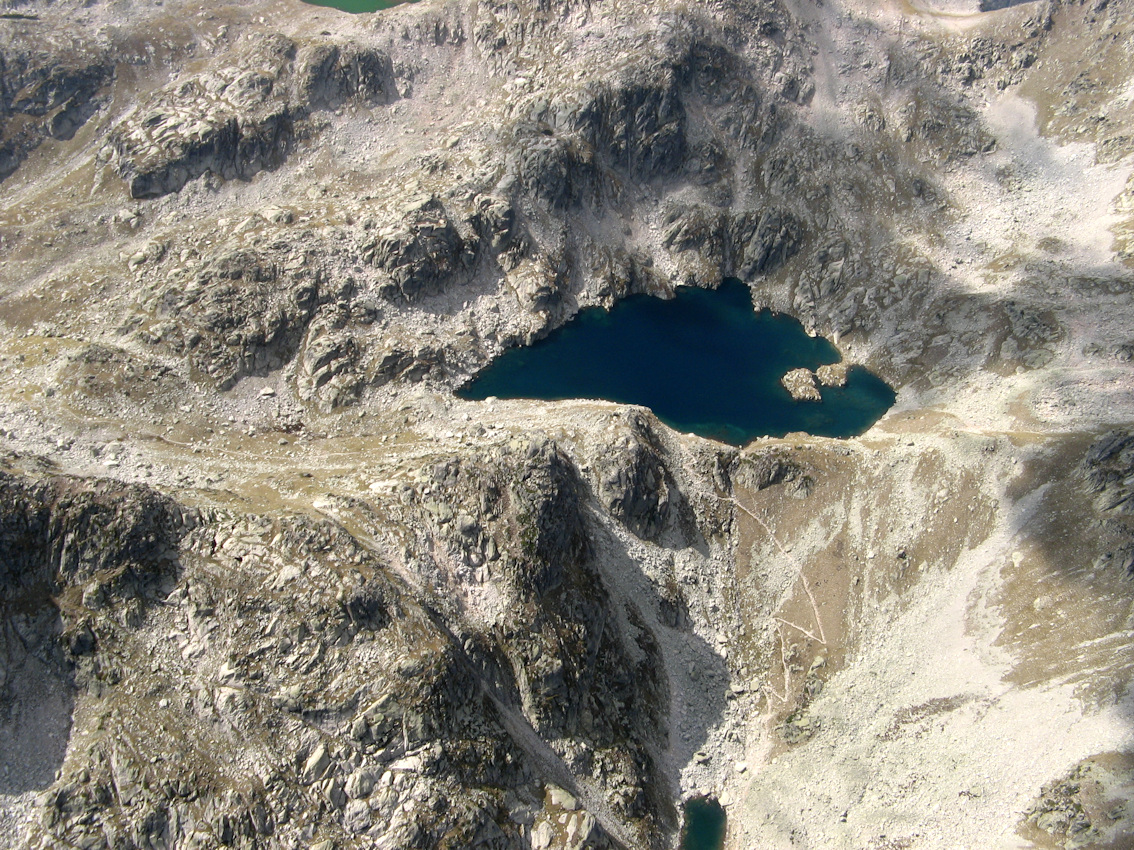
(69, 549)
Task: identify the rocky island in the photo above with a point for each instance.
(269, 582)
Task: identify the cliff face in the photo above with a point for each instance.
(269, 583)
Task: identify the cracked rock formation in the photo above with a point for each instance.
(269, 583)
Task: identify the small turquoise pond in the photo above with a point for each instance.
(704, 361)
(704, 825)
(357, 6)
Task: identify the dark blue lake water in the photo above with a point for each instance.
(704, 825)
(704, 361)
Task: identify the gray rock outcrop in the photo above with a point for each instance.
(243, 119)
(368, 751)
(634, 483)
(43, 98)
(800, 383)
(832, 374)
(247, 255)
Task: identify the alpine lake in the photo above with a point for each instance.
(356, 6)
(704, 362)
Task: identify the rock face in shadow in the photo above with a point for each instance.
(43, 98)
(385, 703)
(72, 554)
(422, 255)
(541, 623)
(749, 243)
(570, 151)
(638, 124)
(1108, 470)
(634, 483)
(112, 544)
(237, 121)
(247, 259)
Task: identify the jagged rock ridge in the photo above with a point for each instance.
(270, 584)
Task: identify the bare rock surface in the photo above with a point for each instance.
(832, 375)
(800, 383)
(269, 583)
